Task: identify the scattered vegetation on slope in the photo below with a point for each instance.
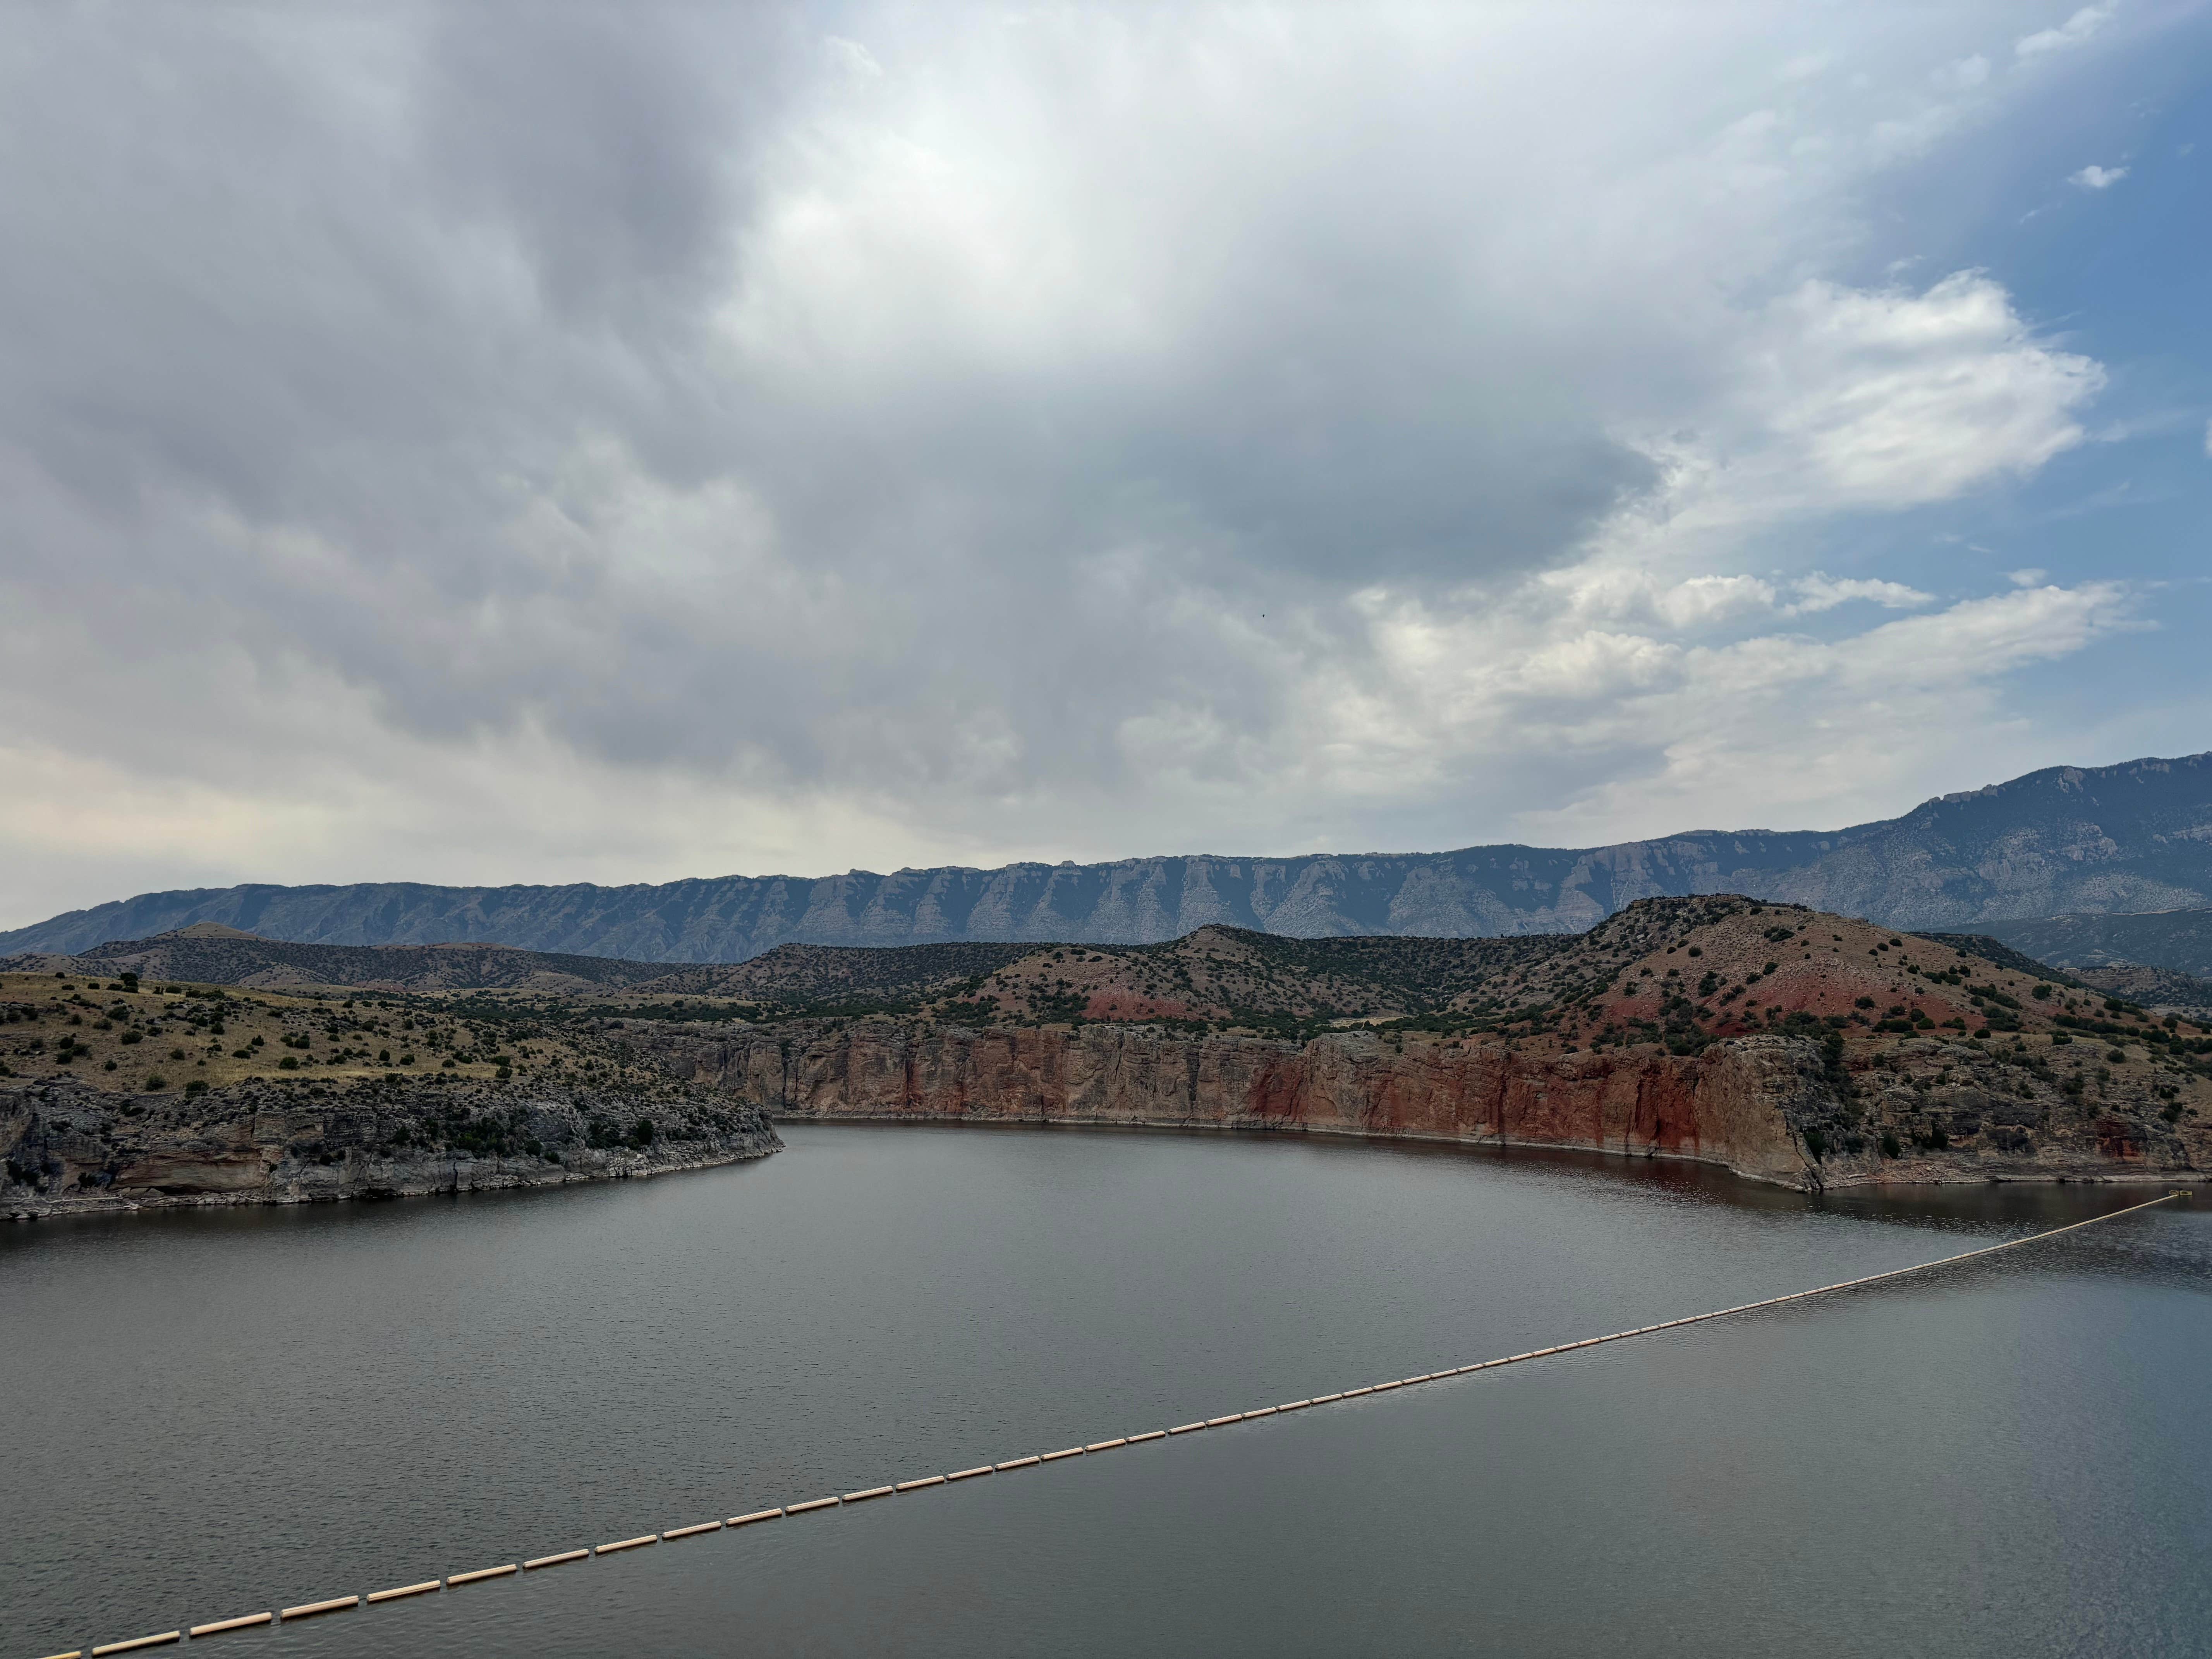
(1919, 1042)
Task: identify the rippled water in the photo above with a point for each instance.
(210, 1413)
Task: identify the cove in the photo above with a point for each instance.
(218, 1411)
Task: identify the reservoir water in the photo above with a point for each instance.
(211, 1412)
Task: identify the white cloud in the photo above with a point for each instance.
(1770, 727)
(1060, 433)
(1977, 638)
(1819, 591)
(2072, 32)
(2032, 576)
(2096, 178)
(1783, 731)
(1703, 600)
(1837, 401)
(1966, 74)
(1834, 399)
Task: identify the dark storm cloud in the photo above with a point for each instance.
(355, 279)
(704, 390)
(600, 141)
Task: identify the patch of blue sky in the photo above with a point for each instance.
(2092, 204)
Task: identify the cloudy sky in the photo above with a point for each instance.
(565, 443)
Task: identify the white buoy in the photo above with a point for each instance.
(400, 1594)
(306, 1610)
(454, 1578)
(242, 1623)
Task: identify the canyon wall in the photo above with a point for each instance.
(1770, 1107)
(1773, 1108)
(1743, 1105)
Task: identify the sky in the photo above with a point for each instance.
(568, 443)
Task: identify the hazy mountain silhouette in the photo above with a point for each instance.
(2131, 837)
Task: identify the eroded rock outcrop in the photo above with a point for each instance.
(1758, 1105)
(1737, 1106)
(72, 1149)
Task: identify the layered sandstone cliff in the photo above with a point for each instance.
(1793, 1047)
(1758, 1105)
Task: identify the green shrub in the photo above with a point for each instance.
(1890, 1147)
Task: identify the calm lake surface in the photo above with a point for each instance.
(211, 1413)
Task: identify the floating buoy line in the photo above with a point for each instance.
(1033, 1460)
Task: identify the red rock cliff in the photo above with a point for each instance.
(1732, 1105)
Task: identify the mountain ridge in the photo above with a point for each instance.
(2179, 940)
(2133, 836)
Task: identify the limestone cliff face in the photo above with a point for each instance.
(1737, 1105)
(72, 1149)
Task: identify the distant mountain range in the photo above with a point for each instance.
(2177, 940)
(208, 953)
(2132, 837)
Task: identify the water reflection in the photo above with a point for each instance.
(219, 1411)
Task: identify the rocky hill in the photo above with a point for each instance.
(2160, 989)
(113, 1095)
(1788, 1044)
(2132, 837)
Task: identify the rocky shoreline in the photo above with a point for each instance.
(1807, 1050)
(73, 1150)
